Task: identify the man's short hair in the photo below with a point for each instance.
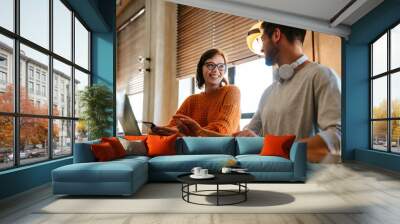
(291, 33)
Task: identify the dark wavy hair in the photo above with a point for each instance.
(291, 33)
(204, 57)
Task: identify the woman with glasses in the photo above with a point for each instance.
(213, 112)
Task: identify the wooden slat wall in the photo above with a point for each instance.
(130, 46)
(200, 30)
(326, 50)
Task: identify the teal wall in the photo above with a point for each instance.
(103, 65)
(104, 53)
(99, 16)
(379, 159)
(356, 98)
(24, 178)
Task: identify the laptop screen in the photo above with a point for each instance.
(125, 115)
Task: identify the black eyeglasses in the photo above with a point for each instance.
(221, 66)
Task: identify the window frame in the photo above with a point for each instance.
(388, 74)
(16, 114)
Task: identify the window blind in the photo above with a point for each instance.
(200, 30)
(131, 40)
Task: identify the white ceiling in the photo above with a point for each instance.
(321, 9)
(314, 15)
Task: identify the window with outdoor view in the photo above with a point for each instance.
(44, 64)
(252, 75)
(385, 94)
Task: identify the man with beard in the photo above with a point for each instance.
(304, 98)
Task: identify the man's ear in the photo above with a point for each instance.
(276, 35)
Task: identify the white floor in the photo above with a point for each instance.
(376, 188)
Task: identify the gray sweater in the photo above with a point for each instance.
(305, 105)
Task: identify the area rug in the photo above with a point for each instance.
(167, 198)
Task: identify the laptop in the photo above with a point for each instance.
(125, 115)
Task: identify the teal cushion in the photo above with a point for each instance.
(185, 163)
(206, 145)
(249, 145)
(257, 163)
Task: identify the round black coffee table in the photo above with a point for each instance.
(238, 179)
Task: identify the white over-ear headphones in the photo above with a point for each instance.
(286, 72)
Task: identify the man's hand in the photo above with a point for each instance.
(245, 133)
(317, 150)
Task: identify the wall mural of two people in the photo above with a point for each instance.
(304, 99)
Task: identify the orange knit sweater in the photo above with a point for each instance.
(217, 111)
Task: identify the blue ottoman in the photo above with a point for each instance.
(118, 177)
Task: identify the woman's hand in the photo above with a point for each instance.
(186, 125)
(166, 131)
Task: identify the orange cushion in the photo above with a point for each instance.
(277, 145)
(116, 145)
(135, 138)
(161, 145)
(103, 151)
